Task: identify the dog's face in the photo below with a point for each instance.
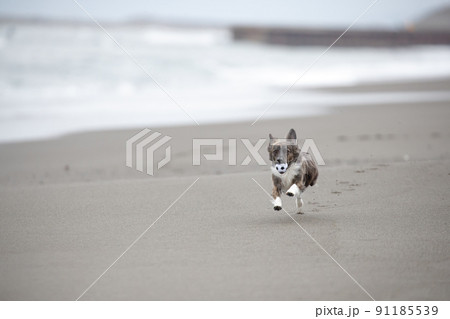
(283, 152)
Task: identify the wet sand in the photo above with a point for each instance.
(70, 207)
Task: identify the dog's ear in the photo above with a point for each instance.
(291, 135)
(270, 142)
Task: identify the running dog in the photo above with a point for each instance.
(292, 170)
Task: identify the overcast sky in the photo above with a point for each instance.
(332, 13)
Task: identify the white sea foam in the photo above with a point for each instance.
(56, 80)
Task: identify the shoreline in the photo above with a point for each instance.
(324, 108)
(431, 84)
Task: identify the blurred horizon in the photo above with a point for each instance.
(315, 14)
(59, 79)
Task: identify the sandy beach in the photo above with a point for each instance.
(70, 207)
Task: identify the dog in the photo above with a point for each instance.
(292, 170)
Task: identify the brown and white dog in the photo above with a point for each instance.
(292, 170)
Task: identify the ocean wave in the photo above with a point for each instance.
(77, 76)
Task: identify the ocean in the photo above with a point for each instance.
(59, 79)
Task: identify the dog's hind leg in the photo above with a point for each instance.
(299, 204)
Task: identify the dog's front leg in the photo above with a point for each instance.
(276, 193)
(294, 191)
(276, 198)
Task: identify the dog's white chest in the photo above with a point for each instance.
(288, 177)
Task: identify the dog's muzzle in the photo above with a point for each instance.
(281, 168)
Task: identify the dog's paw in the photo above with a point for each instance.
(277, 207)
(290, 194)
